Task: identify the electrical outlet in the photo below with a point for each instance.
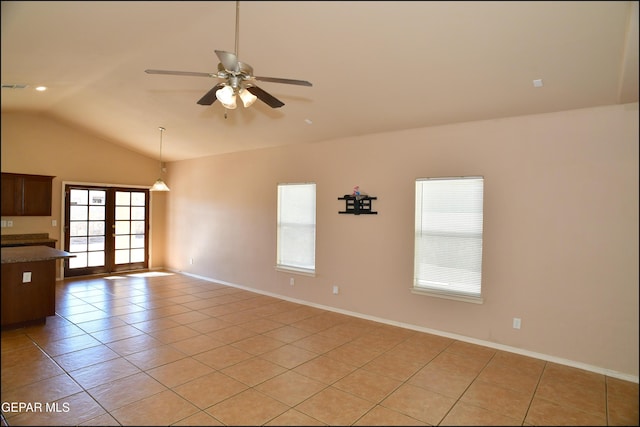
(191, 261)
(336, 290)
(26, 277)
(517, 322)
(292, 281)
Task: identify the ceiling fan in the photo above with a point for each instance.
(238, 80)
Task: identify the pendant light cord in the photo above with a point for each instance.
(161, 130)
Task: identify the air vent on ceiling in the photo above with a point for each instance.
(14, 86)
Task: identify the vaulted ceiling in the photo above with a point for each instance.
(375, 66)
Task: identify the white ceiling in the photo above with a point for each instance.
(375, 66)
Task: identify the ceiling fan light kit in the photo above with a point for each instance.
(227, 97)
(239, 80)
(247, 98)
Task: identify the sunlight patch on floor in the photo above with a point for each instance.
(150, 274)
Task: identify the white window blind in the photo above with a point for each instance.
(296, 241)
(448, 237)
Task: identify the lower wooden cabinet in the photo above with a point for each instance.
(31, 301)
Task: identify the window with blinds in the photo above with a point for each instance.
(296, 239)
(448, 238)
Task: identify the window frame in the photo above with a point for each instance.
(419, 229)
(284, 264)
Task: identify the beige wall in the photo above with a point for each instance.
(560, 229)
(561, 223)
(40, 145)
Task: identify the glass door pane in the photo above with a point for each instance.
(87, 228)
(130, 227)
(106, 229)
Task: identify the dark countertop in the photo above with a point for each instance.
(22, 239)
(32, 254)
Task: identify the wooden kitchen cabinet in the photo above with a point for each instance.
(32, 301)
(28, 284)
(26, 195)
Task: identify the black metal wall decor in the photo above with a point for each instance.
(358, 205)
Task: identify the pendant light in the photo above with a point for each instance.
(159, 185)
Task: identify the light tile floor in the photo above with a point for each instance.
(176, 350)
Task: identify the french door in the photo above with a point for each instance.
(106, 228)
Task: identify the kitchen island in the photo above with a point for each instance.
(29, 284)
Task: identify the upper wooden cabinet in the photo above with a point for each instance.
(26, 195)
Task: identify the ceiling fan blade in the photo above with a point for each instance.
(265, 97)
(180, 73)
(287, 81)
(210, 97)
(228, 60)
